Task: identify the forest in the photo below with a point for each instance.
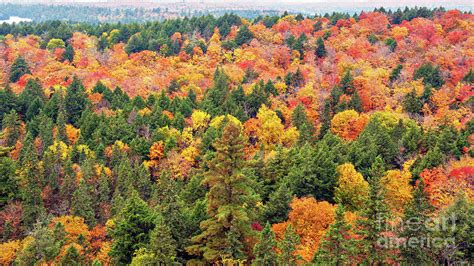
(280, 140)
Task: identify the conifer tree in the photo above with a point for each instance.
(287, 247)
(417, 212)
(75, 101)
(18, 69)
(374, 220)
(320, 48)
(82, 203)
(12, 128)
(264, 250)
(31, 174)
(228, 223)
(72, 257)
(337, 247)
(162, 244)
(132, 229)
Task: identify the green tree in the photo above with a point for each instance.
(82, 203)
(162, 244)
(456, 226)
(414, 226)
(287, 247)
(337, 246)
(75, 101)
(69, 54)
(18, 69)
(430, 74)
(72, 257)
(320, 51)
(264, 250)
(243, 36)
(374, 220)
(31, 175)
(11, 128)
(132, 229)
(229, 192)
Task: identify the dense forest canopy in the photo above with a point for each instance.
(278, 140)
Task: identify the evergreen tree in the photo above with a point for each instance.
(8, 182)
(69, 54)
(264, 250)
(456, 228)
(320, 48)
(228, 223)
(162, 244)
(82, 203)
(18, 69)
(75, 101)
(302, 123)
(9, 102)
(395, 73)
(430, 74)
(337, 247)
(132, 229)
(72, 257)
(12, 128)
(417, 212)
(31, 174)
(244, 35)
(374, 220)
(277, 208)
(287, 247)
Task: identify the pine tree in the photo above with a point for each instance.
(337, 247)
(302, 123)
(418, 211)
(8, 182)
(18, 69)
(72, 257)
(228, 193)
(31, 175)
(320, 48)
(132, 229)
(4, 150)
(162, 244)
(374, 219)
(277, 208)
(69, 54)
(243, 36)
(12, 128)
(287, 247)
(264, 250)
(82, 203)
(75, 101)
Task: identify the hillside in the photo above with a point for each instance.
(283, 140)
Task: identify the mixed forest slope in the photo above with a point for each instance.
(277, 141)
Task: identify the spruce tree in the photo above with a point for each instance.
(75, 101)
(374, 220)
(82, 203)
(320, 48)
(264, 250)
(162, 244)
(287, 247)
(337, 247)
(18, 69)
(72, 257)
(228, 193)
(31, 174)
(417, 212)
(12, 128)
(132, 229)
